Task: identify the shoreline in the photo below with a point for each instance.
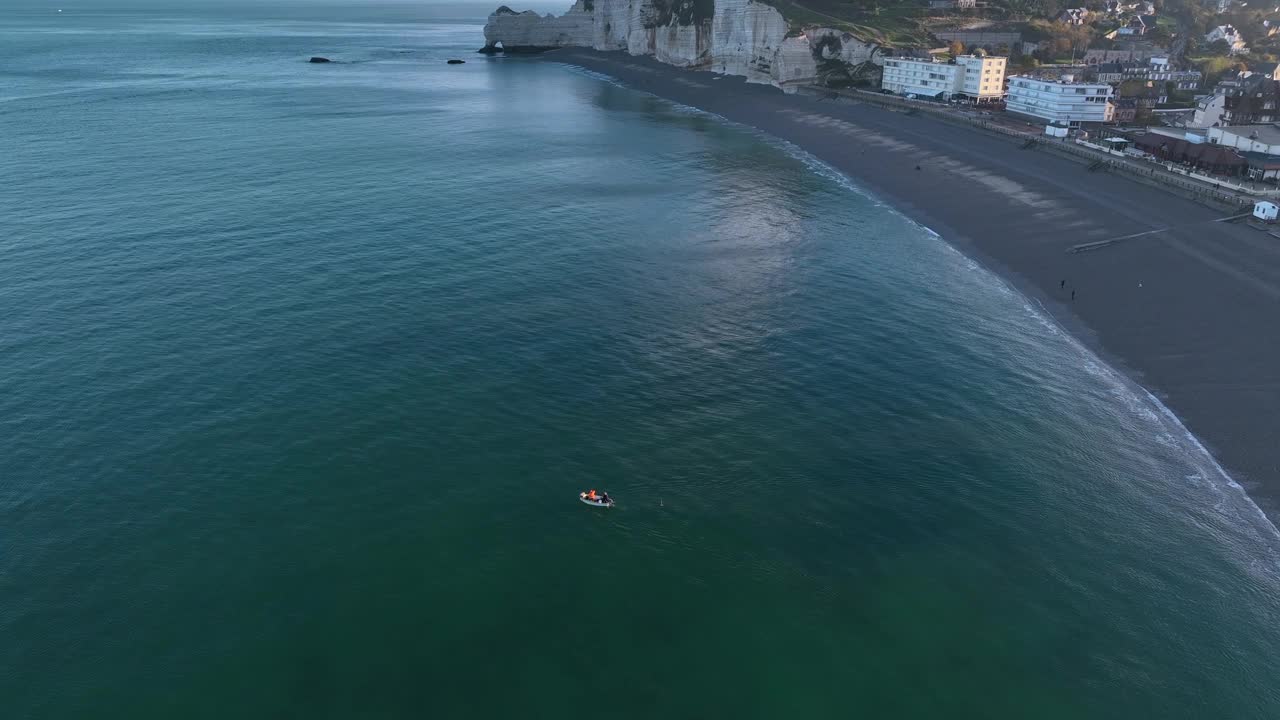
(1189, 314)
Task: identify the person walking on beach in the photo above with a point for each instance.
(1062, 284)
(1073, 294)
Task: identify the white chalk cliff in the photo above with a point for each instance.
(735, 37)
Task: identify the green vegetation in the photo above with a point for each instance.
(1179, 99)
(908, 23)
(1180, 25)
(885, 23)
(1026, 9)
(1215, 67)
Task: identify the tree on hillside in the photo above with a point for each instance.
(1067, 39)
(957, 48)
(1215, 67)
(1201, 19)
(1247, 23)
(1019, 8)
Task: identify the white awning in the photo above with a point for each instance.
(928, 92)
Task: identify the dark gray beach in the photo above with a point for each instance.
(1191, 312)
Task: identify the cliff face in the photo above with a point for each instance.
(735, 37)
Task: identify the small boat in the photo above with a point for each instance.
(598, 501)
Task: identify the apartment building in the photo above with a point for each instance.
(1061, 102)
(979, 78)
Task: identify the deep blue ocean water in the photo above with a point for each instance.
(302, 368)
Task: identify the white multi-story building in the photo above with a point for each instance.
(1249, 138)
(980, 78)
(909, 76)
(1060, 102)
(1229, 35)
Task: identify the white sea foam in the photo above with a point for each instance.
(1143, 404)
(579, 70)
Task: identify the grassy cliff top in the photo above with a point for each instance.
(887, 23)
(907, 23)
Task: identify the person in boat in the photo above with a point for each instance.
(591, 495)
(605, 498)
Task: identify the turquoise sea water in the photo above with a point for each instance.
(302, 368)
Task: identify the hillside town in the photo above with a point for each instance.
(1193, 86)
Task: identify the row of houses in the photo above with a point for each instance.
(1155, 69)
(981, 79)
(1113, 9)
(1141, 23)
(1259, 145)
(1251, 151)
(1248, 98)
(1136, 25)
(1073, 97)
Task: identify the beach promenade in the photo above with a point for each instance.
(1218, 193)
(1187, 305)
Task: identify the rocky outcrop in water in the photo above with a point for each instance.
(319, 60)
(735, 37)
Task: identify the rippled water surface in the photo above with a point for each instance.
(302, 368)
